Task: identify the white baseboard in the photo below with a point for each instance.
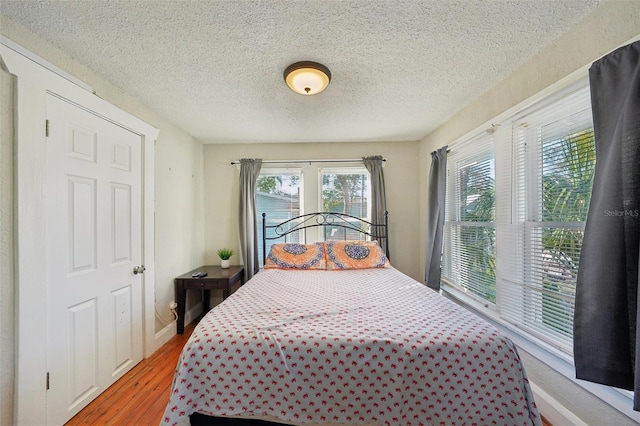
(554, 412)
(164, 335)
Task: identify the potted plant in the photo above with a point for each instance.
(225, 254)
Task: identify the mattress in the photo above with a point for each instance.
(369, 346)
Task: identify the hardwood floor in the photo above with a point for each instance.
(139, 398)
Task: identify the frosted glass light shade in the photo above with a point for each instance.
(307, 78)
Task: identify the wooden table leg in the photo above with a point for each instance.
(206, 296)
(181, 301)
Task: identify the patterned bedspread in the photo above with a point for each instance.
(351, 347)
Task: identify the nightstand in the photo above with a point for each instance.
(217, 279)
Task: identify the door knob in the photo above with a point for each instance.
(139, 269)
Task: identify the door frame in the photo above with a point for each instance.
(33, 82)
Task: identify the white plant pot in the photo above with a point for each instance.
(225, 263)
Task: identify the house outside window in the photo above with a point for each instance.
(279, 195)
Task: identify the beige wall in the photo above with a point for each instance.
(400, 172)
(179, 230)
(7, 292)
(611, 25)
(180, 239)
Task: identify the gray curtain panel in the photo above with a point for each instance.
(606, 309)
(374, 165)
(435, 217)
(249, 172)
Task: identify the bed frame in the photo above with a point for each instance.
(363, 229)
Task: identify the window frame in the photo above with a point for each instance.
(475, 150)
(551, 356)
(277, 171)
(345, 170)
(311, 190)
(516, 215)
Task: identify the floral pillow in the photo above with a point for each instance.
(296, 256)
(355, 255)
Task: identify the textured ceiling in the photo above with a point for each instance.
(214, 68)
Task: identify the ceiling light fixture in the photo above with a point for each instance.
(307, 78)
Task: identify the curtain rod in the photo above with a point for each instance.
(358, 160)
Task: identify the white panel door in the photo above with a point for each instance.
(94, 230)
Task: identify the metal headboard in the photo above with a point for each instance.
(365, 229)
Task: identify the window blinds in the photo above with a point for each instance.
(469, 260)
(517, 202)
(554, 160)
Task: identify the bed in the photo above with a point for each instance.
(316, 338)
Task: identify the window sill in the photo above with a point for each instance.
(619, 399)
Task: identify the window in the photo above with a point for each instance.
(282, 194)
(279, 195)
(345, 190)
(469, 260)
(517, 203)
(554, 165)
